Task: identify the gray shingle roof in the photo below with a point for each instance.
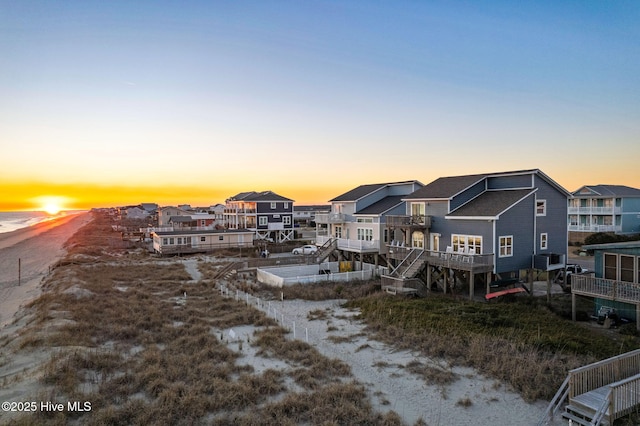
(382, 206)
(608, 191)
(445, 187)
(491, 203)
(359, 192)
(267, 196)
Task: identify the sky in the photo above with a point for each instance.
(120, 102)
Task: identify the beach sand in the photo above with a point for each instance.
(36, 248)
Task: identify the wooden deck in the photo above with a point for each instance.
(601, 392)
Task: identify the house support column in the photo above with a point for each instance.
(638, 317)
(429, 281)
(471, 284)
(573, 307)
(548, 287)
(488, 282)
(530, 280)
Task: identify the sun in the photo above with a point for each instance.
(52, 208)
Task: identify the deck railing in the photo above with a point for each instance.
(609, 289)
(624, 396)
(348, 244)
(405, 220)
(602, 373)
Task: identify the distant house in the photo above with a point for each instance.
(149, 207)
(603, 208)
(198, 241)
(266, 213)
(166, 213)
(136, 212)
(616, 283)
(306, 215)
(492, 225)
(357, 218)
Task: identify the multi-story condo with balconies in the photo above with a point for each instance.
(266, 213)
(603, 208)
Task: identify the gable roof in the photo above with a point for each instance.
(381, 206)
(364, 190)
(264, 196)
(606, 191)
(445, 187)
(448, 187)
(491, 204)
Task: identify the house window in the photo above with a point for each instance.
(203, 239)
(365, 234)
(171, 241)
(220, 237)
(286, 220)
(286, 205)
(385, 235)
(164, 241)
(506, 246)
(610, 266)
(541, 207)
(273, 206)
(263, 221)
(471, 244)
(364, 220)
(203, 222)
(626, 268)
(179, 240)
(417, 239)
(338, 231)
(543, 241)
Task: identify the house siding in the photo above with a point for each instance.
(446, 228)
(467, 195)
(518, 222)
(509, 182)
(552, 224)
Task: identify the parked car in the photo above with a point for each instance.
(308, 249)
(565, 276)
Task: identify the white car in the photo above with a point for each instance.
(308, 249)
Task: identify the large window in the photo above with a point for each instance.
(365, 234)
(286, 220)
(417, 239)
(622, 267)
(471, 244)
(263, 220)
(338, 231)
(506, 246)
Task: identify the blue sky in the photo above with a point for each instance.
(313, 98)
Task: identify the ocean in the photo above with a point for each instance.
(10, 221)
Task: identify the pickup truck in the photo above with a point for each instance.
(565, 275)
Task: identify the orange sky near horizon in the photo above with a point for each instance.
(310, 190)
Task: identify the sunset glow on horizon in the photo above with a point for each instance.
(117, 103)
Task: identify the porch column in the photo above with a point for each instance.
(471, 285)
(488, 282)
(429, 279)
(638, 317)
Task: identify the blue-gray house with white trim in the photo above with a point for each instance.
(492, 224)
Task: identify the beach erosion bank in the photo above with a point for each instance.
(28, 253)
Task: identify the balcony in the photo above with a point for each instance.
(476, 263)
(402, 221)
(331, 217)
(359, 246)
(594, 210)
(595, 228)
(621, 291)
(239, 211)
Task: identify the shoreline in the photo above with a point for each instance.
(35, 249)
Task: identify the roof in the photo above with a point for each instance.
(606, 191)
(206, 232)
(445, 187)
(448, 187)
(609, 246)
(324, 207)
(491, 203)
(266, 196)
(363, 190)
(380, 207)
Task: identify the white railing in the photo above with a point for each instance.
(332, 218)
(595, 228)
(348, 244)
(594, 210)
(610, 289)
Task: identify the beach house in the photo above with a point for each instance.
(267, 214)
(463, 230)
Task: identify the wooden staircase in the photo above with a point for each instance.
(403, 275)
(599, 393)
(325, 250)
